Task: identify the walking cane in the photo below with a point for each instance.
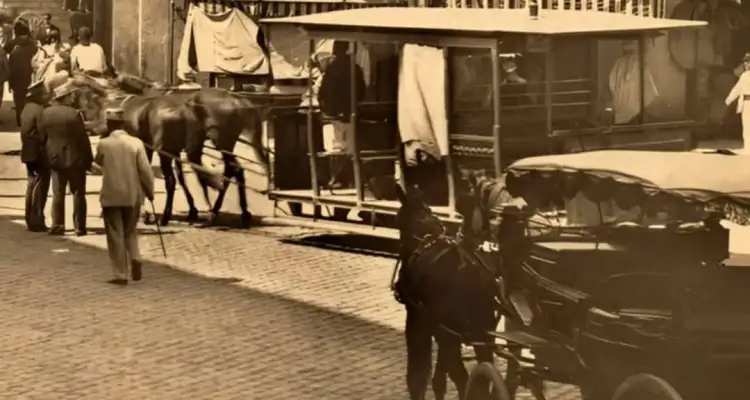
(158, 229)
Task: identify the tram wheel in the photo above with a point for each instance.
(486, 383)
(646, 387)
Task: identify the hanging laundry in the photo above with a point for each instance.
(221, 43)
(422, 114)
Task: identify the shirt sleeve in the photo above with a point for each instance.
(73, 58)
(99, 157)
(103, 57)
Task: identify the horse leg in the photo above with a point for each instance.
(193, 211)
(449, 355)
(440, 375)
(229, 168)
(418, 334)
(169, 184)
(239, 175)
(148, 218)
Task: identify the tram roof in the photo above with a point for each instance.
(482, 22)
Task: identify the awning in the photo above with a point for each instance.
(281, 8)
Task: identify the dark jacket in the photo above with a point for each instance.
(67, 144)
(19, 63)
(334, 95)
(32, 143)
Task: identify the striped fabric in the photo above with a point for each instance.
(278, 9)
(646, 8)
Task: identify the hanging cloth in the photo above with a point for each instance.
(221, 43)
(422, 114)
(625, 86)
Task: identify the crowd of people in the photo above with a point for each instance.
(32, 57)
(57, 151)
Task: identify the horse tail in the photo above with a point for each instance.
(250, 117)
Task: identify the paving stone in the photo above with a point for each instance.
(229, 314)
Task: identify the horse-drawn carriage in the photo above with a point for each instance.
(503, 86)
(645, 303)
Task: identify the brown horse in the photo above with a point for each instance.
(170, 120)
(224, 117)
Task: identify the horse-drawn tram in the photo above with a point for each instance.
(642, 302)
(442, 91)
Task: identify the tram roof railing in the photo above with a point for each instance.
(483, 22)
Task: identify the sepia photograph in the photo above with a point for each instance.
(374, 199)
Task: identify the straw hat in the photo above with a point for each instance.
(63, 89)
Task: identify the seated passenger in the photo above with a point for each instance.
(515, 88)
(625, 86)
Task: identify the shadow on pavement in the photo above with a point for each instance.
(359, 244)
(221, 339)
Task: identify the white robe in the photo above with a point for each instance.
(738, 93)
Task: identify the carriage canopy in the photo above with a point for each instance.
(636, 178)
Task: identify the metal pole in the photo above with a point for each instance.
(641, 77)
(495, 54)
(170, 44)
(313, 155)
(354, 95)
(549, 71)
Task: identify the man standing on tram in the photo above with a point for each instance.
(335, 104)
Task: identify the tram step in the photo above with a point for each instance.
(363, 154)
(521, 338)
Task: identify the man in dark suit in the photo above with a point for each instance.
(49, 28)
(21, 50)
(32, 154)
(69, 154)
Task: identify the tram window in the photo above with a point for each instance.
(619, 63)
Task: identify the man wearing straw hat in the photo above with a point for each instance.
(32, 154)
(69, 154)
(127, 180)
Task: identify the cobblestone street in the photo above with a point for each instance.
(228, 314)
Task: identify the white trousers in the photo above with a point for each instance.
(746, 125)
(337, 137)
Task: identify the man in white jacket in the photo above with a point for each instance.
(741, 93)
(127, 180)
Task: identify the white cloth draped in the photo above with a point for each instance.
(422, 114)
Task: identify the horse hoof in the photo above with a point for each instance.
(164, 220)
(149, 219)
(192, 216)
(247, 220)
(213, 219)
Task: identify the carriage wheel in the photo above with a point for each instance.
(486, 383)
(646, 387)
